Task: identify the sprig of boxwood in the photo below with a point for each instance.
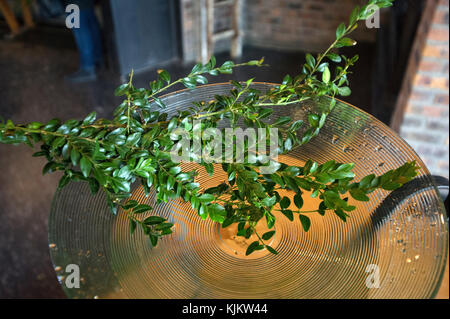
(135, 146)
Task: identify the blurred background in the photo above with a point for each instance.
(48, 69)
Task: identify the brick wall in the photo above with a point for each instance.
(303, 25)
(422, 111)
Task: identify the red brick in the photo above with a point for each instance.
(432, 111)
(422, 80)
(441, 99)
(436, 51)
(430, 66)
(439, 34)
(441, 17)
(418, 96)
(444, 113)
(443, 165)
(431, 82)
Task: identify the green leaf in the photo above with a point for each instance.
(130, 204)
(340, 31)
(93, 185)
(63, 181)
(212, 62)
(310, 60)
(322, 66)
(313, 120)
(287, 80)
(133, 139)
(34, 125)
(227, 65)
(295, 125)
(289, 214)
(124, 172)
(40, 153)
(85, 166)
(345, 42)
(175, 170)
(100, 176)
(265, 113)
(285, 202)
(65, 152)
(269, 201)
(252, 247)
(359, 194)
(153, 240)
(206, 198)
(313, 168)
(165, 76)
(366, 181)
(341, 214)
(159, 102)
(201, 79)
(189, 83)
(162, 226)
(270, 219)
(154, 220)
(334, 57)
(385, 4)
(282, 120)
(217, 213)
(111, 205)
(288, 144)
(291, 183)
(298, 200)
(172, 124)
(122, 90)
(209, 168)
(277, 179)
(322, 120)
(344, 91)
(268, 235)
(255, 62)
(227, 222)
(90, 118)
(142, 208)
(270, 249)
(48, 168)
(58, 142)
(132, 226)
(326, 75)
(355, 15)
(306, 222)
(390, 186)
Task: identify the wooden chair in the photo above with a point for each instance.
(209, 38)
(11, 19)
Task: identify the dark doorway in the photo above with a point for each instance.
(393, 48)
(145, 33)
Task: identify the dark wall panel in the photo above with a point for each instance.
(145, 33)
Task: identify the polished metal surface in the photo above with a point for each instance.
(405, 235)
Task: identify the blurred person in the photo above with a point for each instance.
(88, 41)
